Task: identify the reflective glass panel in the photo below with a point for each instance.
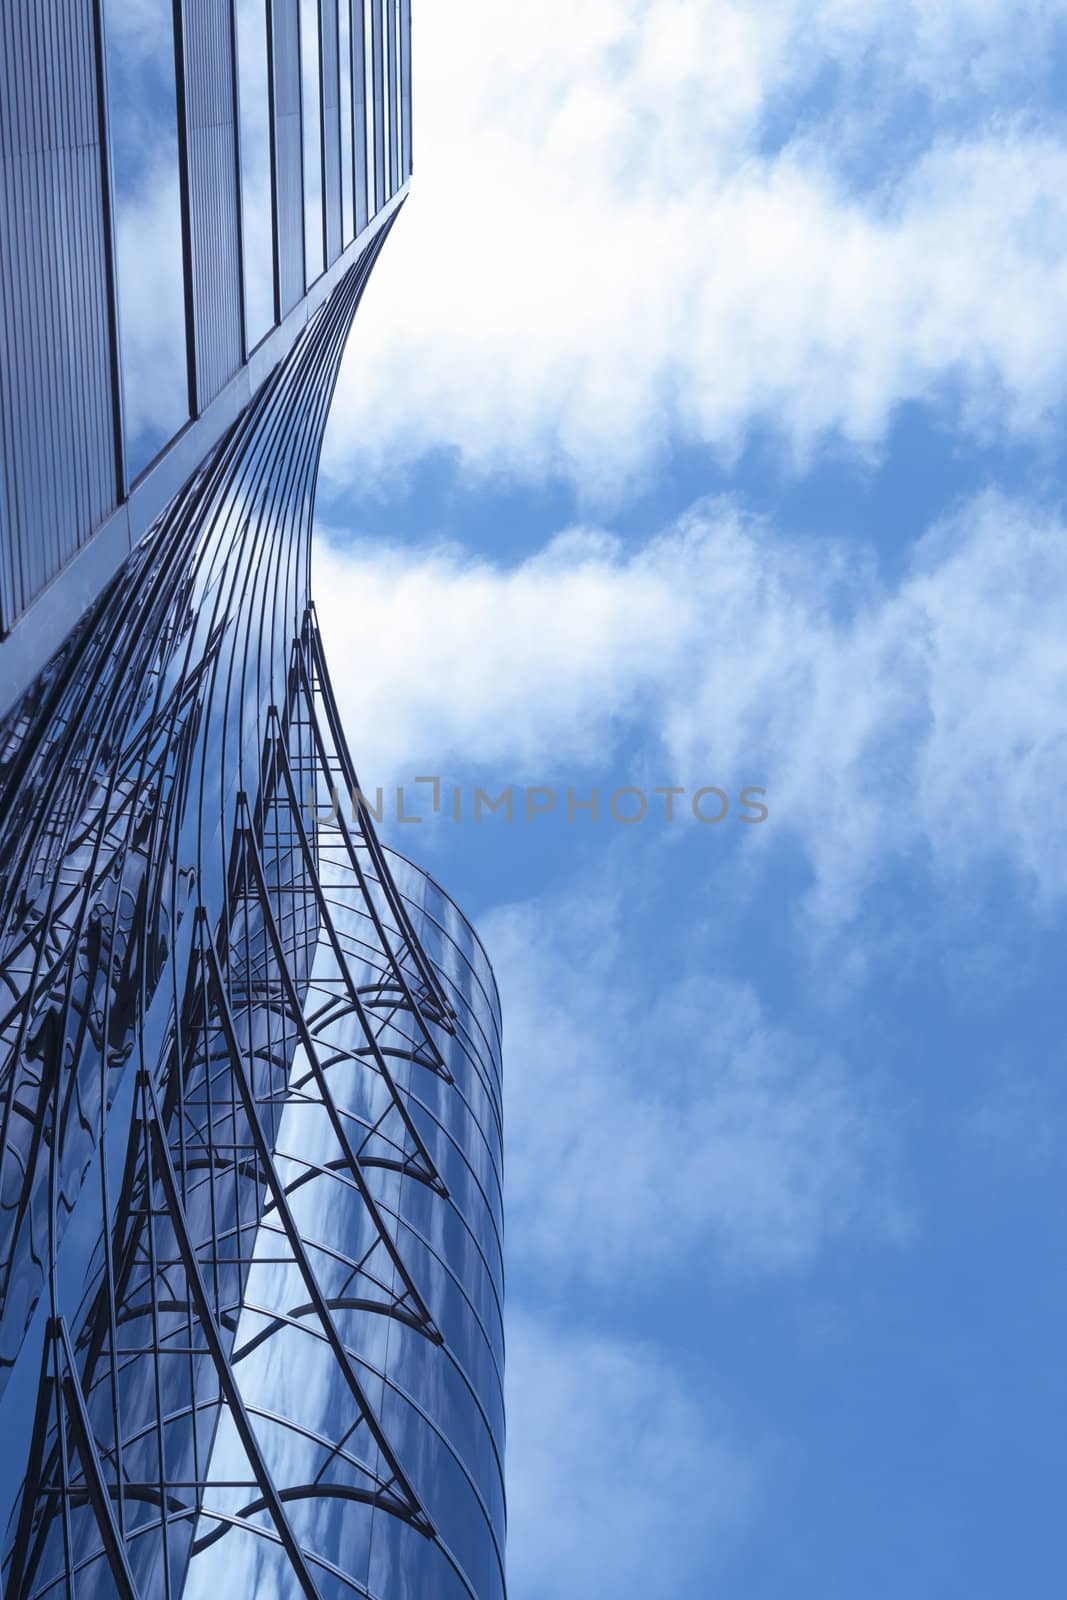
(387, 92)
(148, 226)
(312, 124)
(344, 47)
(373, 199)
(256, 198)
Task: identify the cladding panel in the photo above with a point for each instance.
(58, 380)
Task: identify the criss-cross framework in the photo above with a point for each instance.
(220, 1019)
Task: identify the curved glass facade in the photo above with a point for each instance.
(287, 1360)
(251, 1265)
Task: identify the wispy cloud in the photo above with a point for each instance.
(614, 1470)
(920, 722)
(677, 1122)
(612, 245)
(148, 230)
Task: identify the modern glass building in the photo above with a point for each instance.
(250, 1112)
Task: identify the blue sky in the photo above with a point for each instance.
(702, 427)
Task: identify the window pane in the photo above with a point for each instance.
(359, 112)
(405, 79)
(344, 50)
(394, 29)
(387, 94)
(148, 226)
(256, 198)
(375, 101)
(312, 121)
(370, 33)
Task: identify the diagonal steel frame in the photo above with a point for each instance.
(216, 1348)
(22, 1561)
(385, 878)
(326, 1095)
(414, 1511)
(115, 1549)
(355, 999)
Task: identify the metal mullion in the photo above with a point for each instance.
(183, 1121)
(203, 1032)
(249, 1023)
(156, 1374)
(181, 99)
(279, 954)
(193, 1353)
(233, 1174)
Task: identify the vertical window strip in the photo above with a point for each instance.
(311, 118)
(344, 66)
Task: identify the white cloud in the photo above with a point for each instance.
(677, 1123)
(140, 32)
(921, 721)
(601, 251)
(151, 305)
(257, 214)
(612, 1469)
(148, 227)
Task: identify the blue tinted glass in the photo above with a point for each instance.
(312, 125)
(387, 92)
(372, 42)
(256, 197)
(148, 226)
(345, 54)
(394, 121)
(405, 79)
